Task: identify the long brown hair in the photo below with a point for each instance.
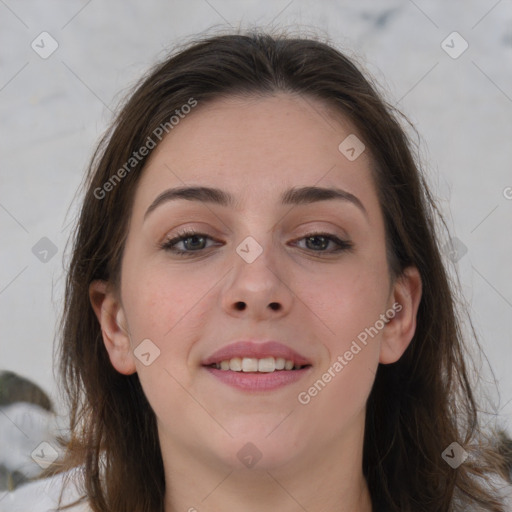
(418, 406)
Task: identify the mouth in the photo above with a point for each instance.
(257, 366)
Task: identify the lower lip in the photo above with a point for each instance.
(258, 381)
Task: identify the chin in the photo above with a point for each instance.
(256, 451)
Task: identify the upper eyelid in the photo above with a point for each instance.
(192, 232)
(338, 231)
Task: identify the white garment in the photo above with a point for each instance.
(43, 495)
(23, 426)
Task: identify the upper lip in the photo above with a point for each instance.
(257, 350)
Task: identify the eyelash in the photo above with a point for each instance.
(169, 245)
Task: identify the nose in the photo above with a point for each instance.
(259, 290)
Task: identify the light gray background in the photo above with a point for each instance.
(54, 110)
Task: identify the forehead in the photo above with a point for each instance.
(255, 147)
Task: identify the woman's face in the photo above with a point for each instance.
(295, 257)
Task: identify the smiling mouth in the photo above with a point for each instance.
(257, 365)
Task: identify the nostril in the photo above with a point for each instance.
(240, 306)
(275, 306)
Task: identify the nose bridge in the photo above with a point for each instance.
(259, 244)
(256, 285)
(255, 265)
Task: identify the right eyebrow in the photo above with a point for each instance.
(201, 194)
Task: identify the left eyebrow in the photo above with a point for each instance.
(293, 196)
(306, 195)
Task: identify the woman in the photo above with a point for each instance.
(257, 313)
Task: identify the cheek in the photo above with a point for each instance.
(338, 396)
(170, 309)
(346, 301)
(167, 309)
(159, 303)
(350, 305)
(350, 308)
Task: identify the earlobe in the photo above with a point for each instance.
(400, 329)
(111, 318)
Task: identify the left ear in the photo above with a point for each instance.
(404, 302)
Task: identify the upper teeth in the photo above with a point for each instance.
(252, 364)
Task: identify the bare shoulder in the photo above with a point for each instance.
(43, 495)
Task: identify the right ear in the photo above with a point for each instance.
(110, 315)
